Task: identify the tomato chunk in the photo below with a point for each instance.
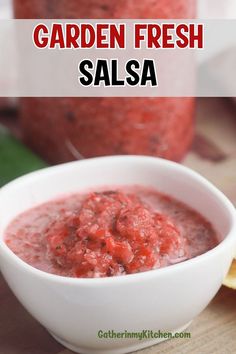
(113, 233)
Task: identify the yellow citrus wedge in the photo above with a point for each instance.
(230, 280)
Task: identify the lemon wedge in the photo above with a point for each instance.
(230, 280)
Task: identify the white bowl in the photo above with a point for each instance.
(168, 299)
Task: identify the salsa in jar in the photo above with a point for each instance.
(63, 129)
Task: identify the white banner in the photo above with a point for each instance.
(27, 71)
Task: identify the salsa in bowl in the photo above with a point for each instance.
(162, 287)
(110, 232)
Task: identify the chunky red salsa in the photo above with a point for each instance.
(109, 233)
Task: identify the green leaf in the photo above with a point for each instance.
(15, 158)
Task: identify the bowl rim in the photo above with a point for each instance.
(228, 239)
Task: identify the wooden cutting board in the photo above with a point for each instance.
(214, 331)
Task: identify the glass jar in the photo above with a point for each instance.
(63, 129)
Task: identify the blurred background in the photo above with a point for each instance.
(205, 8)
(200, 133)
